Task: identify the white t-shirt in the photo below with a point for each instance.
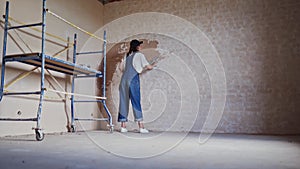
(139, 62)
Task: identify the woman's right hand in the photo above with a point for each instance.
(149, 67)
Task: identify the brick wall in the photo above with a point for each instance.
(258, 45)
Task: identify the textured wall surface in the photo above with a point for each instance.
(258, 44)
(256, 41)
(56, 113)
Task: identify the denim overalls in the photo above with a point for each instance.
(130, 89)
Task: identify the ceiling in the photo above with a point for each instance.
(107, 1)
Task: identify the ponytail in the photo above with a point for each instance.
(131, 49)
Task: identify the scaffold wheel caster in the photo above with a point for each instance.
(111, 129)
(73, 128)
(39, 135)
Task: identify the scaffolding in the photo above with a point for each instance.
(45, 63)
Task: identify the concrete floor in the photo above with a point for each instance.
(99, 149)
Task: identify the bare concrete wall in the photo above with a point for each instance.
(257, 42)
(88, 15)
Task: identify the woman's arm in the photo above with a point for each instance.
(122, 64)
(141, 64)
(150, 67)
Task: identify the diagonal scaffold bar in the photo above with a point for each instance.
(45, 62)
(75, 26)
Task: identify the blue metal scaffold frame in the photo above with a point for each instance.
(47, 62)
(102, 75)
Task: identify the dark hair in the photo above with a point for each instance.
(133, 46)
(132, 49)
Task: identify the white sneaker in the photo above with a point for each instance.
(123, 130)
(143, 130)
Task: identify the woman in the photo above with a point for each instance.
(135, 63)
